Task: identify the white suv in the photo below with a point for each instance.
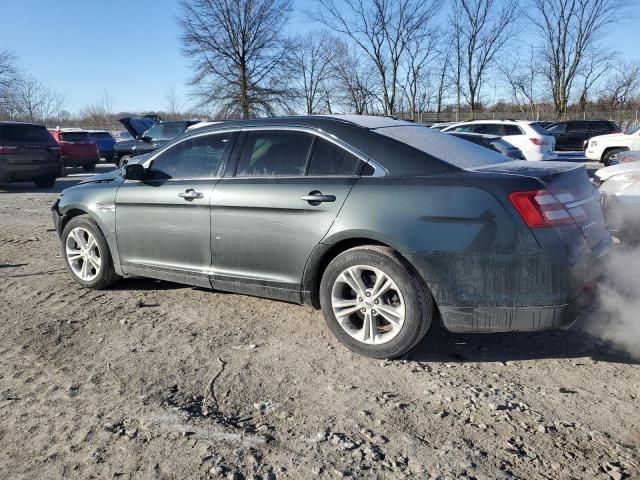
(533, 140)
(603, 147)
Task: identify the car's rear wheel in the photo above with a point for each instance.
(89, 168)
(86, 253)
(45, 182)
(374, 302)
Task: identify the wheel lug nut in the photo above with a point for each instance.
(359, 299)
(368, 294)
(376, 302)
(374, 312)
(363, 310)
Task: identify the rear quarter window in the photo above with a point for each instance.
(25, 133)
(516, 130)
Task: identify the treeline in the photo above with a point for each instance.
(418, 59)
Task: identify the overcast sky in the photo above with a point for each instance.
(131, 48)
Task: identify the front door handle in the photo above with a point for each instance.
(190, 194)
(316, 197)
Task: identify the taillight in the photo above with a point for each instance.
(8, 150)
(540, 208)
(536, 141)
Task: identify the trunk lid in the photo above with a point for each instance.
(570, 185)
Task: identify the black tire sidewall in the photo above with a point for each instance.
(106, 274)
(417, 306)
(45, 182)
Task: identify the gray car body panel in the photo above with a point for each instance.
(486, 270)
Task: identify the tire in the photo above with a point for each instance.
(89, 168)
(406, 295)
(123, 160)
(606, 158)
(96, 278)
(45, 182)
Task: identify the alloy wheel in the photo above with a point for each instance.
(83, 254)
(368, 304)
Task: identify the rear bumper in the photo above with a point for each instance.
(511, 319)
(28, 171)
(78, 162)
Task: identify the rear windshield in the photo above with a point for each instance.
(101, 135)
(539, 129)
(74, 137)
(454, 151)
(25, 133)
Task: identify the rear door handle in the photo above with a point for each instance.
(315, 198)
(190, 194)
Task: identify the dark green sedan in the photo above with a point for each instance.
(385, 225)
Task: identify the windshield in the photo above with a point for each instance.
(631, 131)
(24, 133)
(454, 151)
(74, 137)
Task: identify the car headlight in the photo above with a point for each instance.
(594, 143)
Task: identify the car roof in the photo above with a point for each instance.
(13, 122)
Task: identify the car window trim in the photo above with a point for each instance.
(379, 170)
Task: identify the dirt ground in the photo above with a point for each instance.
(156, 380)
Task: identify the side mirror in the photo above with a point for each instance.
(146, 138)
(133, 171)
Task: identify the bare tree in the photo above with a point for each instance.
(238, 53)
(173, 103)
(622, 86)
(569, 30)
(382, 29)
(354, 79)
(417, 79)
(100, 113)
(523, 79)
(445, 79)
(312, 66)
(482, 29)
(594, 66)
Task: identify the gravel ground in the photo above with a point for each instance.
(157, 380)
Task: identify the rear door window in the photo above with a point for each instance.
(489, 129)
(557, 128)
(74, 137)
(575, 127)
(199, 157)
(330, 160)
(599, 126)
(25, 133)
(513, 130)
(274, 154)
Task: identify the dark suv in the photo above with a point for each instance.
(147, 136)
(28, 153)
(571, 135)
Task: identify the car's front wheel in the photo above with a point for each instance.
(86, 253)
(122, 161)
(606, 159)
(374, 302)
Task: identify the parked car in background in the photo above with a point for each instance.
(619, 187)
(28, 152)
(572, 134)
(380, 223)
(147, 136)
(77, 148)
(492, 142)
(534, 142)
(105, 143)
(625, 157)
(441, 125)
(603, 147)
